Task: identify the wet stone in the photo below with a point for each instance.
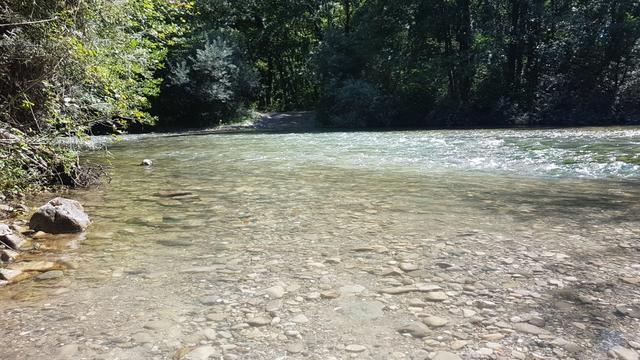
(9, 274)
(632, 310)
(275, 292)
(363, 310)
(529, 329)
(259, 321)
(159, 325)
(295, 348)
(435, 321)
(436, 296)
(354, 348)
(352, 289)
(202, 353)
(49, 275)
(66, 352)
(445, 355)
(621, 353)
(415, 329)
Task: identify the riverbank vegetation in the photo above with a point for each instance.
(70, 67)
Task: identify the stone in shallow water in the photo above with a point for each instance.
(49, 275)
(363, 310)
(142, 338)
(275, 292)
(273, 305)
(60, 216)
(619, 352)
(66, 352)
(529, 329)
(158, 325)
(354, 348)
(171, 194)
(33, 266)
(12, 241)
(435, 321)
(202, 353)
(7, 255)
(445, 355)
(629, 310)
(259, 321)
(174, 243)
(216, 316)
(415, 329)
(295, 348)
(408, 267)
(9, 274)
(352, 289)
(209, 300)
(300, 319)
(436, 296)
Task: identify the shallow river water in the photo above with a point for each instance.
(511, 227)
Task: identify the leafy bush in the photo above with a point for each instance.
(355, 103)
(208, 86)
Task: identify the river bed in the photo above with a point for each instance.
(497, 244)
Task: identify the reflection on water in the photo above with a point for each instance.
(301, 195)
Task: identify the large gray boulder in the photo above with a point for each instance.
(60, 216)
(8, 238)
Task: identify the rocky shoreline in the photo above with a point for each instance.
(22, 242)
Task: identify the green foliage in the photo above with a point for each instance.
(209, 85)
(66, 66)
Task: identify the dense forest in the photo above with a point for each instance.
(68, 67)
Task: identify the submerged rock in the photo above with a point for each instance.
(9, 238)
(415, 329)
(9, 274)
(8, 255)
(60, 216)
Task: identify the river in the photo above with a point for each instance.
(286, 246)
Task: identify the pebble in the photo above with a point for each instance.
(53, 274)
(300, 319)
(159, 325)
(435, 321)
(273, 305)
(354, 348)
(295, 348)
(436, 296)
(216, 316)
(202, 353)
(363, 310)
(408, 267)
(529, 329)
(619, 352)
(445, 355)
(632, 311)
(259, 321)
(459, 344)
(210, 334)
(415, 329)
(330, 294)
(468, 313)
(275, 292)
(142, 338)
(9, 274)
(66, 352)
(352, 289)
(33, 266)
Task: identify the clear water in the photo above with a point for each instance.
(266, 204)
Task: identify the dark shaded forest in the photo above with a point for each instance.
(76, 67)
(380, 63)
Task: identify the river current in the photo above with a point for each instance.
(261, 208)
